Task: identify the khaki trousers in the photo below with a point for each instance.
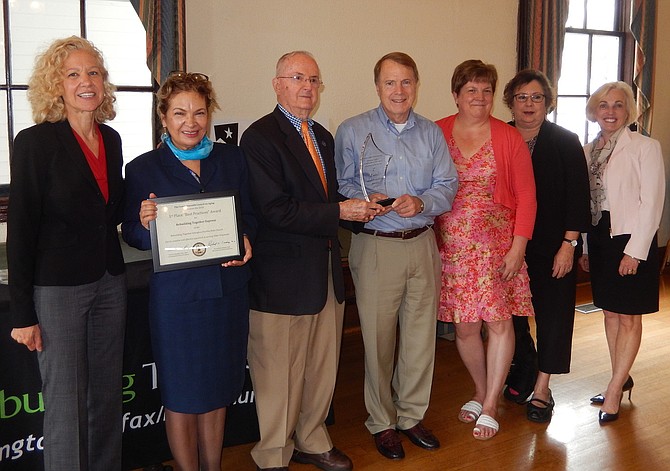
(397, 290)
(293, 365)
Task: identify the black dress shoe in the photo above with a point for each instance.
(276, 468)
(333, 460)
(389, 445)
(627, 386)
(421, 436)
(538, 414)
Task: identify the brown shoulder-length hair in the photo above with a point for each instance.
(473, 70)
(599, 95)
(399, 58)
(525, 77)
(178, 82)
(45, 87)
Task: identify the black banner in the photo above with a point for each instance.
(144, 439)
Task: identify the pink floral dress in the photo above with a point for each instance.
(473, 238)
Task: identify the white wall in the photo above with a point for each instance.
(238, 43)
(661, 99)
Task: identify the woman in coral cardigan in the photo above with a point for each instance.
(482, 240)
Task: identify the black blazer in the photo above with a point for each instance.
(60, 231)
(297, 222)
(562, 189)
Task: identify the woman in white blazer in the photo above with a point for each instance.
(627, 182)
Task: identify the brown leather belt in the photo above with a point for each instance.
(410, 234)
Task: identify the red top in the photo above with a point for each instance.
(97, 164)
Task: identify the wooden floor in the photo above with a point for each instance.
(573, 440)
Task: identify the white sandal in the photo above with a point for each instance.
(473, 410)
(485, 421)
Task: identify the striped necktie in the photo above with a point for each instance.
(304, 128)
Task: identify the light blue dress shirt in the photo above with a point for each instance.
(420, 165)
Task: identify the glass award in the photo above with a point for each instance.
(372, 169)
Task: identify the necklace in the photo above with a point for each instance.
(531, 144)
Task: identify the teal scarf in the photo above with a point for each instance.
(199, 152)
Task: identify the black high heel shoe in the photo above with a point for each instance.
(605, 417)
(627, 386)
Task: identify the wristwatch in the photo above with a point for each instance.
(571, 242)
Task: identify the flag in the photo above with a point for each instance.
(227, 133)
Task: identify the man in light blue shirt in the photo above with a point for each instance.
(394, 259)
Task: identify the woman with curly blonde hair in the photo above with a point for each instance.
(44, 88)
(66, 269)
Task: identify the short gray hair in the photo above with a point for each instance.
(283, 59)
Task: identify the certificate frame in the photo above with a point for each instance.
(196, 230)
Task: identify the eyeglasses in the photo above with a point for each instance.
(523, 97)
(299, 78)
(195, 76)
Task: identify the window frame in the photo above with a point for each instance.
(8, 86)
(621, 30)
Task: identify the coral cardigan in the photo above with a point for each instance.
(515, 183)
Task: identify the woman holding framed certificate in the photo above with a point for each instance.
(198, 313)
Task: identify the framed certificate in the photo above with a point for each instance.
(196, 230)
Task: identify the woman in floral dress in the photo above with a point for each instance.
(482, 240)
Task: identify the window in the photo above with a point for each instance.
(113, 26)
(596, 51)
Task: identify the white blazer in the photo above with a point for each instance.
(634, 180)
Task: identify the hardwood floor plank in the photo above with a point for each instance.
(573, 440)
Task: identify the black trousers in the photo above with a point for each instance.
(554, 305)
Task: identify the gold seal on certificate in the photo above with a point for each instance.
(372, 169)
(196, 230)
(199, 249)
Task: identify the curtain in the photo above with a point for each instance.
(541, 33)
(165, 23)
(643, 27)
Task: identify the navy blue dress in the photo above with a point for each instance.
(199, 317)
